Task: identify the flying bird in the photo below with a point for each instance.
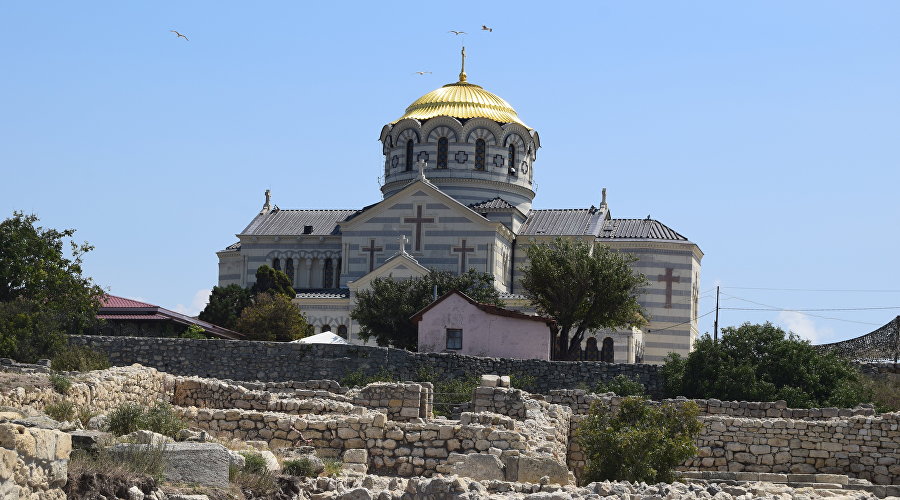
(457, 32)
(179, 35)
(485, 28)
(422, 72)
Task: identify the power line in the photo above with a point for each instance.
(811, 289)
(814, 310)
(803, 313)
(682, 323)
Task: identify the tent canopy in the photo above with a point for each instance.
(321, 338)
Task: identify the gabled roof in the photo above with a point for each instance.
(488, 308)
(564, 222)
(119, 308)
(646, 229)
(497, 202)
(277, 222)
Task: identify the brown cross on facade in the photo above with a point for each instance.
(371, 250)
(462, 250)
(418, 220)
(669, 279)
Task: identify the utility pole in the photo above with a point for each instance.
(716, 324)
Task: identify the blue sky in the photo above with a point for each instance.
(767, 132)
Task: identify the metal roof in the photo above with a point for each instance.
(648, 229)
(279, 222)
(564, 222)
(492, 203)
(120, 308)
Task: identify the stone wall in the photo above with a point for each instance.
(402, 402)
(580, 402)
(274, 362)
(33, 462)
(100, 390)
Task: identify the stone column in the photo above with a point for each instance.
(309, 273)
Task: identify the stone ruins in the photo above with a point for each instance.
(504, 442)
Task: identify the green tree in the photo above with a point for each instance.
(273, 317)
(583, 287)
(42, 290)
(225, 305)
(272, 280)
(761, 362)
(640, 442)
(383, 311)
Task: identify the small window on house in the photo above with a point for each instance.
(307, 229)
(276, 264)
(326, 328)
(342, 331)
(443, 150)
(409, 155)
(480, 148)
(454, 338)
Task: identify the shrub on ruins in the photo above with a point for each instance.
(303, 467)
(642, 441)
(130, 417)
(43, 294)
(61, 411)
(225, 305)
(76, 358)
(383, 311)
(761, 362)
(273, 317)
(583, 286)
(621, 385)
(60, 383)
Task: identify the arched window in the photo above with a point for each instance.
(606, 352)
(289, 269)
(342, 331)
(276, 264)
(409, 155)
(326, 328)
(479, 154)
(327, 273)
(512, 159)
(443, 146)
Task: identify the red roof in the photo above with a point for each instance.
(488, 308)
(119, 308)
(114, 301)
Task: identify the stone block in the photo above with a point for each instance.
(201, 463)
(481, 467)
(832, 478)
(532, 469)
(90, 441)
(490, 381)
(356, 456)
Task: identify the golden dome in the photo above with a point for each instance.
(462, 100)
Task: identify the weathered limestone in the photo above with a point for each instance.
(33, 462)
(201, 463)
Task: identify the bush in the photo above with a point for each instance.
(640, 442)
(84, 414)
(333, 467)
(138, 461)
(254, 463)
(359, 378)
(524, 381)
(62, 411)
(764, 363)
(193, 332)
(303, 467)
(159, 418)
(622, 386)
(125, 419)
(79, 359)
(60, 383)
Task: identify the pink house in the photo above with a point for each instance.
(456, 323)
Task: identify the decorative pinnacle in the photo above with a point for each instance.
(462, 72)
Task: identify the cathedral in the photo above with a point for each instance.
(457, 194)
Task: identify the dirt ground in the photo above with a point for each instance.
(28, 381)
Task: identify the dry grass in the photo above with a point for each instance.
(138, 462)
(29, 381)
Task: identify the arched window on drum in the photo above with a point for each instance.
(511, 157)
(442, 152)
(480, 154)
(409, 156)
